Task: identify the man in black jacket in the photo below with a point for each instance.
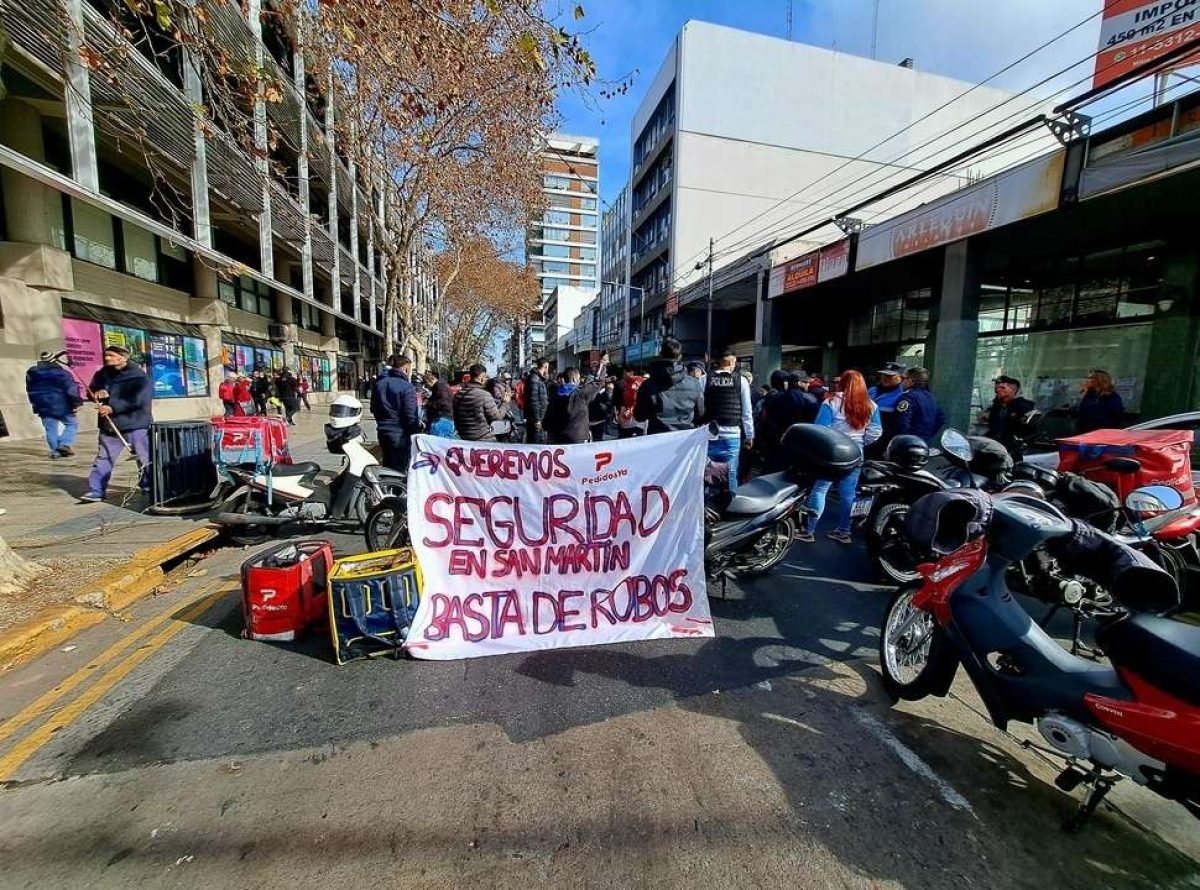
(125, 396)
(670, 399)
(568, 420)
(260, 391)
(474, 408)
(439, 410)
(536, 401)
(394, 406)
(287, 387)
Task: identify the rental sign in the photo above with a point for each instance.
(1135, 34)
(525, 547)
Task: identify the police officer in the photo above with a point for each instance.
(917, 411)
(728, 411)
(886, 394)
(1007, 418)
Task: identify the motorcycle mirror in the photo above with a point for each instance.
(1154, 499)
(955, 443)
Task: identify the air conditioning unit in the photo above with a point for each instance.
(278, 333)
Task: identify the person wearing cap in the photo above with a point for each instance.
(917, 411)
(1007, 418)
(125, 399)
(54, 396)
(885, 395)
(729, 415)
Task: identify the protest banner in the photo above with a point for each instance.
(525, 547)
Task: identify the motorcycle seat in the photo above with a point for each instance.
(762, 493)
(304, 468)
(1163, 652)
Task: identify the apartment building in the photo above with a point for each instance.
(127, 220)
(744, 137)
(614, 272)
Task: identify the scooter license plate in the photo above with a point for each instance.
(862, 507)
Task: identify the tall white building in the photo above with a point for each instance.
(742, 129)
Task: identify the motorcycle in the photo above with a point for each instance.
(302, 494)
(889, 487)
(1139, 717)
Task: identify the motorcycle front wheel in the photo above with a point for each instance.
(914, 652)
(770, 549)
(247, 502)
(888, 545)
(386, 527)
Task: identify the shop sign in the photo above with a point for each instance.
(835, 260)
(1031, 189)
(672, 307)
(1135, 34)
(85, 347)
(831, 261)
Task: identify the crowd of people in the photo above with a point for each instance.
(259, 393)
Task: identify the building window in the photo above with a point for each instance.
(141, 252)
(551, 181)
(559, 268)
(556, 218)
(899, 318)
(94, 236)
(561, 251)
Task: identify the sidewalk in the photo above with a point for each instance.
(79, 544)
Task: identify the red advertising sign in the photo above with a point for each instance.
(800, 272)
(672, 307)
(1135, 34)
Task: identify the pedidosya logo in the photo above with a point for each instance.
(603, 473)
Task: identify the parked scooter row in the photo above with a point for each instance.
(1138, 717)
(301, 494)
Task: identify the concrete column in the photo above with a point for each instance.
(335, 284)
(1175, 339)
(957, 333)
(357, 288)
(212, 315)
(768, 332)
(285, 316)
(831, 362)
(201, 216)
(261, 163)
(306, 264)
(81, 131)
(26, 202)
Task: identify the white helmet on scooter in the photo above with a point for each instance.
(344, 412)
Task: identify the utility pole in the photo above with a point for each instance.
(708, 340)
(875, 31)
(789, 19)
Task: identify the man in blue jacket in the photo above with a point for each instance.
(125, 396)
(55, 398)
(917, 411)
(394, 406)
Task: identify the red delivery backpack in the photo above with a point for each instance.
(1165, 457)
(284, 590)
(253, 441)
(633, 382)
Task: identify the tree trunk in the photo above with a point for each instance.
(15, 571)
(390, 312)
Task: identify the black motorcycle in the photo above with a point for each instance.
(909, 471)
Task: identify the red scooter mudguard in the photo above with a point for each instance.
(1155, 723)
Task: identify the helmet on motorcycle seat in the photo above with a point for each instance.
(910, 452)
(344, 412)
(1044, 478)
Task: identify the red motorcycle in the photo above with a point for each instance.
(1139, 717)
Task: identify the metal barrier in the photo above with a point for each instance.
(182, 469)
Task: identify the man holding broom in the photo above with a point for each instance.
(123, 394)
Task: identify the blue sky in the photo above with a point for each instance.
(968, 39)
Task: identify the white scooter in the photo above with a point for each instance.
(302, 494)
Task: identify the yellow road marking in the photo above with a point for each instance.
(29, 745)
(40, 705)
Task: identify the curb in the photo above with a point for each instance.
(112, 592)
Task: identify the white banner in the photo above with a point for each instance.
(526, 547)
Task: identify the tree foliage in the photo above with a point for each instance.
(444, 101)
(482, 294)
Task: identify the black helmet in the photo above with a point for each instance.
(1045, 479)
(910, 452)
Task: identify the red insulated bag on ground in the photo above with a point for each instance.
(1165, 456)
(254, 441)
(284, 590)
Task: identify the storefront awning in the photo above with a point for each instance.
(1170, 156)
(120, 318)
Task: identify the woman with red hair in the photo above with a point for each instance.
(850, 411)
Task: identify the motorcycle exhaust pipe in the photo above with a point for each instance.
(252, 519)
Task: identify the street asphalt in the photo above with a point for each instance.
(166, 751)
